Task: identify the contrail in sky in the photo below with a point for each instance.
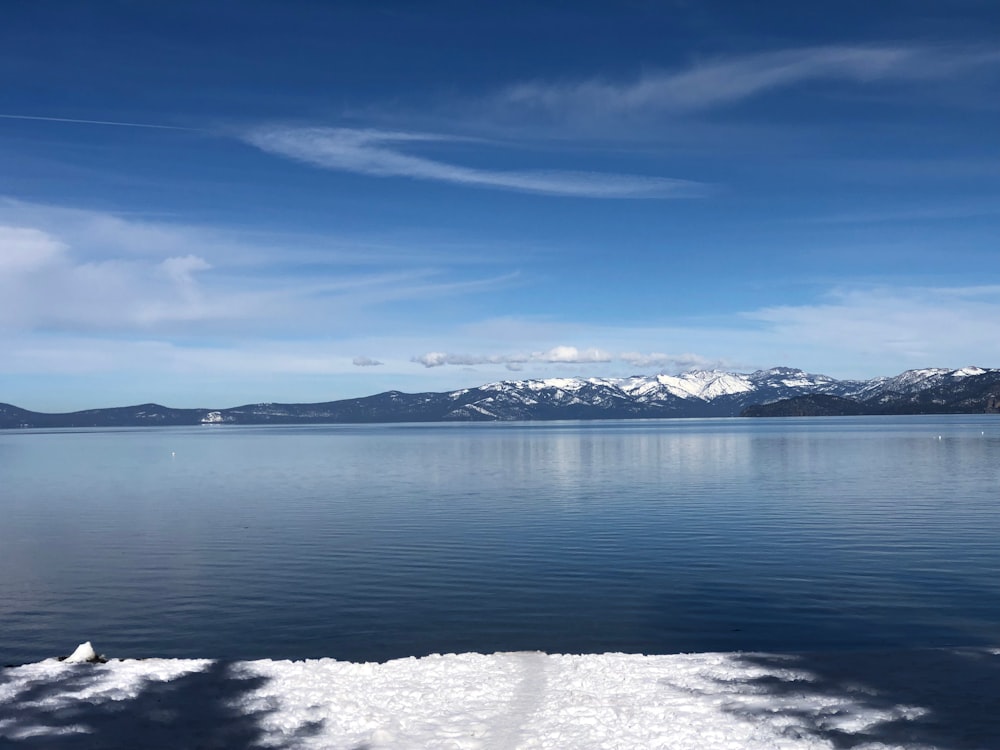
(97, 122)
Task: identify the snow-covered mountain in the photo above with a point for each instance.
(912, 381)
(925, 391)
(700, 393)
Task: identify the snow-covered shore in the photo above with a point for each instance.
(939, 698)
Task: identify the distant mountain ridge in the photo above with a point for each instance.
(969, 390)
(779, 391)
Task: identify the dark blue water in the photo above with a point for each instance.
(373, 542)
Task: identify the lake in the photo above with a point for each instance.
(370, 542)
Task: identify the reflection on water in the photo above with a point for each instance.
(370, 542)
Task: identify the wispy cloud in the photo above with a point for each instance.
(937, 212)
(672, 362)
(911, 326)
(83, 355)
(365, 362)
(557, 354)
(726, 81)
(381, 153)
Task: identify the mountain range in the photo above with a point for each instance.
(780, 391)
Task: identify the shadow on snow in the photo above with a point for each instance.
(207, 708)
(943, 698)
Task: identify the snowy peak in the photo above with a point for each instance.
(699, 384)
(912, 382)
(788, 377)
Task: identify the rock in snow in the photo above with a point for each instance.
(84, 652)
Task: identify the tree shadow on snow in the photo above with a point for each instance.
(200, 709)
(942, 698)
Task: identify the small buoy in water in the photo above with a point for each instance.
(939, 437)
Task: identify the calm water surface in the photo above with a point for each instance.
(374, 542)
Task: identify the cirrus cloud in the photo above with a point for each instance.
(729, 80)
(380, 153)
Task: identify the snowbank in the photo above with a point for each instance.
(913, 699)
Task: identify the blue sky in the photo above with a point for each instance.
(217, 203)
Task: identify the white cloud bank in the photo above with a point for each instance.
(563, 355)
(43, 285)
(859, 332)
(95, 273)
(557, 354)
(380, 153)
(91, 295)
